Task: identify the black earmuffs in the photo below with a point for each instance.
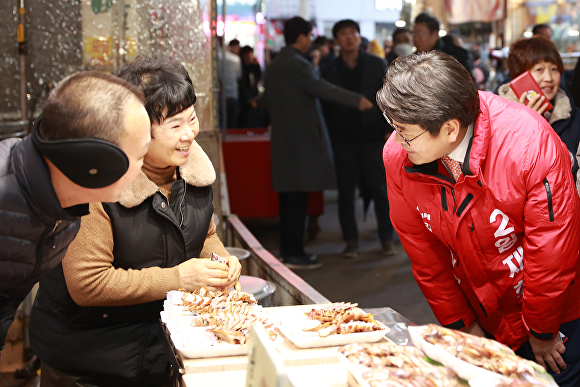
(88, 162)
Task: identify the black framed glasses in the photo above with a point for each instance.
(399, 132)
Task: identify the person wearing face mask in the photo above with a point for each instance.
(96, 318)
(540, 56)
(402, 39)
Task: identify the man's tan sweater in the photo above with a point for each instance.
(90, 276)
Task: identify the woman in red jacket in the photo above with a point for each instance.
(485, 206)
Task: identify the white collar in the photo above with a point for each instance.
(459, 153)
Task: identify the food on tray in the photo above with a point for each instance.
(517, 383)
(227, 315)
(496, 382)
(484, 353)
(232, 328)
(397, 377)
(385, 355)
(342, 318)
(206, 301)
(396, 365)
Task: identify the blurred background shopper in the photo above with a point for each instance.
(300, 152)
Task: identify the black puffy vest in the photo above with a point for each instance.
(122, 345)
(35, 230)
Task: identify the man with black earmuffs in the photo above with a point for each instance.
(87, 146)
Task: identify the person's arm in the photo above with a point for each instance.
(92, 280)
(322, 89)
(430, 258)
(552, 232)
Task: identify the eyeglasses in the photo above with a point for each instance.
(399, 132)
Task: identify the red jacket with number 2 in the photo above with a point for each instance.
(501, 246)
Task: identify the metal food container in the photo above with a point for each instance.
(261, 289)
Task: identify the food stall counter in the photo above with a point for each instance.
(307, 366)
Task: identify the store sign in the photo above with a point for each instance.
(382, 5)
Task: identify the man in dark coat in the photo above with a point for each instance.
(357, 137)
(426, 38)
(88, 145)
(300, 153)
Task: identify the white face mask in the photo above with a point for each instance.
(403, 49)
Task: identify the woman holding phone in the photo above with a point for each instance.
(540, 57)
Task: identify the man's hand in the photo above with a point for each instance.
(364, 104)
(537, 102)
(475, 329)
(548, 353)
(199, 272)
(234, 271)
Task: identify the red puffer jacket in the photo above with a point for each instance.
(501, 246)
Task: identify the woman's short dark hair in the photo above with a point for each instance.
(165, 82)
(431, 23)
(526, 53)
(295, 27)
(429, 89)
(345, 23)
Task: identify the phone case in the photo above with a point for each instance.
(525, 83)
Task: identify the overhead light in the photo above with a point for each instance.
(400, 23)
(442, 32)
(573, 33)
(528, 34)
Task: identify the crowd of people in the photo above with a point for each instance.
(352, 137)
(481, 186)
(108, 203)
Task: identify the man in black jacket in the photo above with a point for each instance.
(88, 145)
(426, 38)
(357, 137)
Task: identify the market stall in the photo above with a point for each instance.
(227, 339)
(309, 366)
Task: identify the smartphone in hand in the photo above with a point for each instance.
(525, 83)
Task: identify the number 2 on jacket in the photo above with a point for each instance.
(503, 244)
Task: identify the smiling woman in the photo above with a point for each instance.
(540, 56)
(129, 254)
(172, 139)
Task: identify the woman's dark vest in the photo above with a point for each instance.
(123, 345)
